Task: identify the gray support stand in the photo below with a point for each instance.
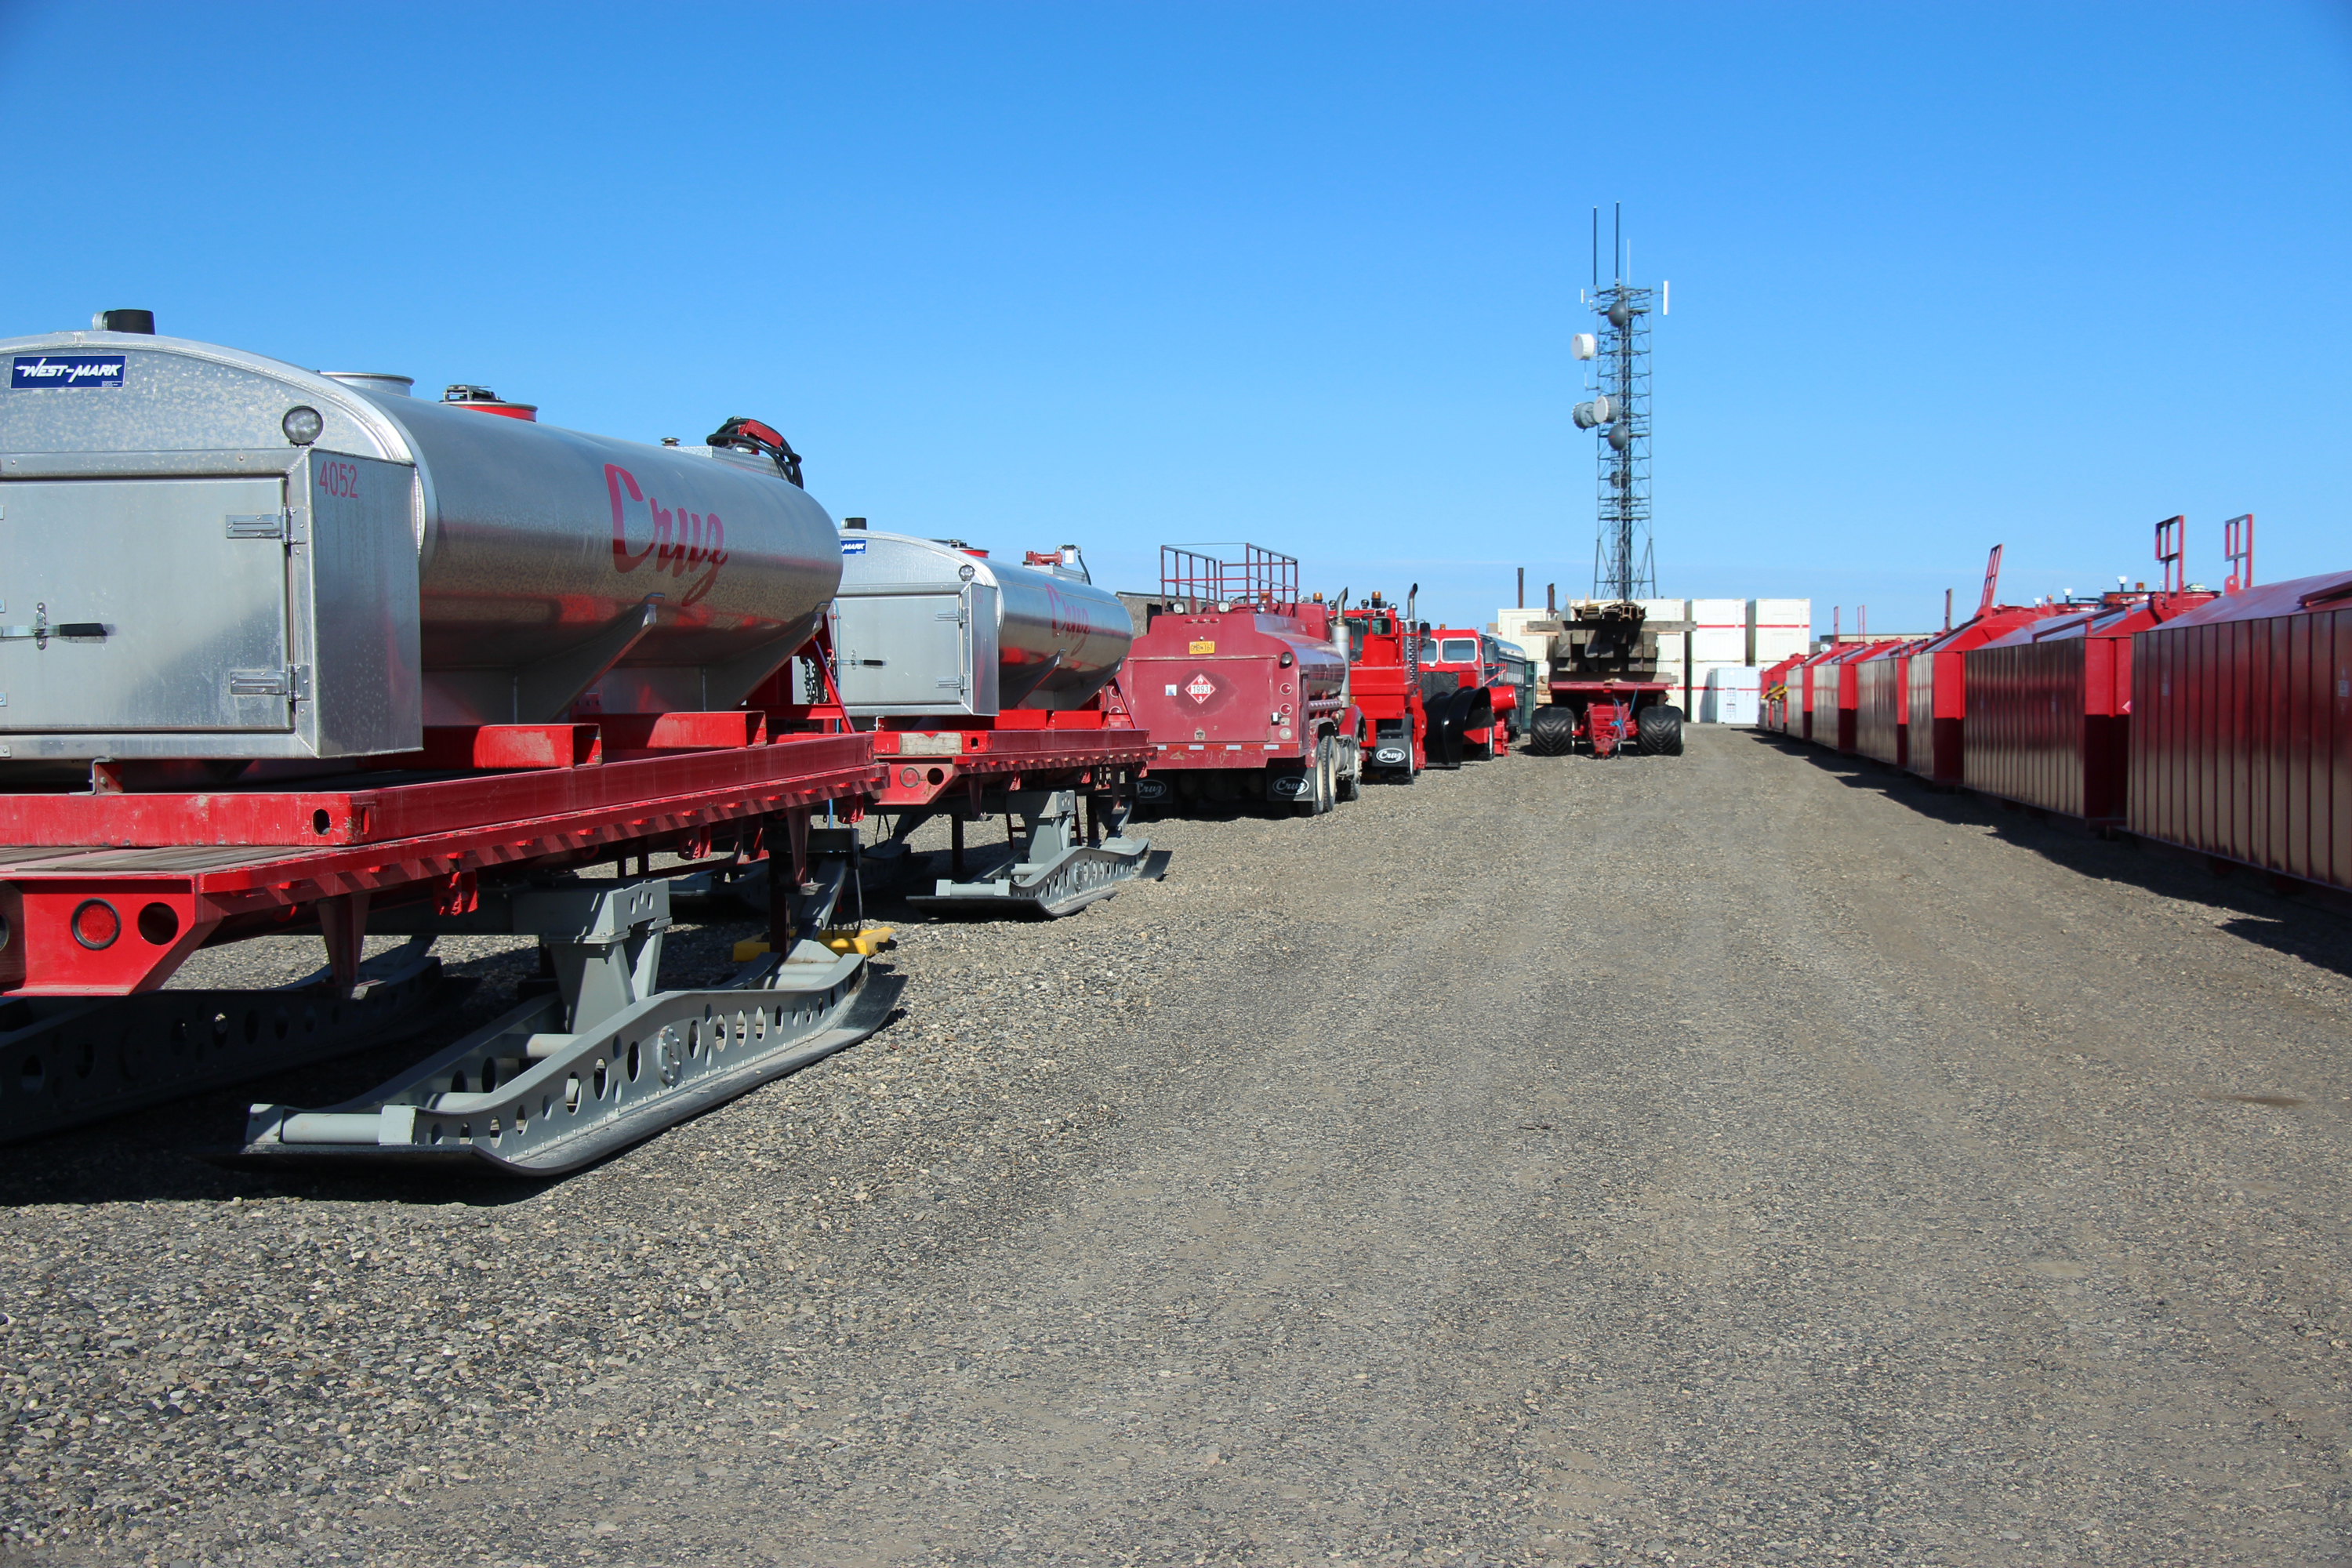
(1054, 871)
(562, 1080)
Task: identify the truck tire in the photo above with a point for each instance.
(1552, 731)
(1348, 780)
(1659, 730)
(1318, 798)
(1444, 742)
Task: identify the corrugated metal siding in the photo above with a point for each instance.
(1882, 712)
(2029, 736)
(2242, 737)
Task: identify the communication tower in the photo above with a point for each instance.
(1623, 564)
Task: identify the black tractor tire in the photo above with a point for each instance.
(1659, 729)
(1478, 713)
(1552, 731)
(1444, 742)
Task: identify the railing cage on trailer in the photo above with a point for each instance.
(1259, 577)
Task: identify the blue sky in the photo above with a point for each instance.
(1120, 275)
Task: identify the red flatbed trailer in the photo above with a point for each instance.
(107, 893)
(1096, 752)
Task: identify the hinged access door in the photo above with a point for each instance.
(905, 653)
(143, 605)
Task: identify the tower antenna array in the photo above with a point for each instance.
(1624, 564)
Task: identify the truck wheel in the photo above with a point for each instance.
(1326, 775)
(1660, 731)
(1316, 798)
(1349, 780)
(1552, 731)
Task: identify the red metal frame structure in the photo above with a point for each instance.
(107, 893)
(2238, 549)
(2050, 708)
(2242, 732)
(1260, 576)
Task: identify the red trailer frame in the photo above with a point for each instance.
(107, 893)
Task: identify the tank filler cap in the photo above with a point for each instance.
(139, 321)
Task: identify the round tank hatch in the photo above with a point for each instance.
(488, 402)
(383, 383)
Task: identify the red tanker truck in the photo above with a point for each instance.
(1241, 684)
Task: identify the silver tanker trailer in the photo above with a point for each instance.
(207, 553)
(977, 672)
(220, 572)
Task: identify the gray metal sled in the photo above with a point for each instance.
(567, 1079)
(1056, 872)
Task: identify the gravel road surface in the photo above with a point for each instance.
(1743, 1158)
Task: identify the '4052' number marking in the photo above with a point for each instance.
(339, 479)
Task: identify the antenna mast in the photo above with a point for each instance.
(1624, 564)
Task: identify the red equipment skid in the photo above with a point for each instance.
(1240, 685)
(1938, 679)
(1386, 681)
(1782, 702)
(1882, 729)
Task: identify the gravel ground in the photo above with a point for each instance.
(1747, 1158)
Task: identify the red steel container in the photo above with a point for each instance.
(2241, 739)
(1881, 722)
(2050, 708)
(1800, 694)
(1774, 689)
(1937, 680)
(1837, 694)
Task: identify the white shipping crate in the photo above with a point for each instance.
(1777, 628)
(1732, 695)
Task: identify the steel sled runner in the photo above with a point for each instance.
(1062, 861)
(566, 1079)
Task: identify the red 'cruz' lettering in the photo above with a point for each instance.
(680, 537)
